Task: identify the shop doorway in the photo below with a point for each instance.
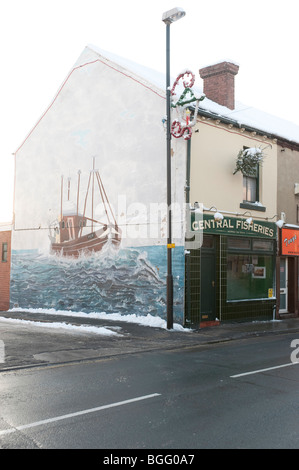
(283, 285)
(208, 280)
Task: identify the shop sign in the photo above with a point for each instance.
(289, 242)
(234, 226)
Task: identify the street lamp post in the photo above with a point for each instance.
(169, 17)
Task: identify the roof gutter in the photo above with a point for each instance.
(236, 124)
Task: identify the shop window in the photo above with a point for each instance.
(4, 252)
(262, 245)
(250, 274)
(236, 243)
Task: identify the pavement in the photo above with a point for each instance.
(31, 340)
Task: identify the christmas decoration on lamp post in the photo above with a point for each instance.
(182, 127)
(168, 18)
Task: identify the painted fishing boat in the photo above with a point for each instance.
(74, 234)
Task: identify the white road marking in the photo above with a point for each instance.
(77, 413)
(263, 370)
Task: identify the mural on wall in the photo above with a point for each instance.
(94, 240)
(87, 268)
(92, 264)
(131, 281)
(74, 234)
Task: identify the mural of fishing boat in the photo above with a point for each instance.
(75, 233)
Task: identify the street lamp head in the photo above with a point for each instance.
(173, 15)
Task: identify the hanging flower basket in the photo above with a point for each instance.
(248, 161)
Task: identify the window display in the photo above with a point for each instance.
(250, 268)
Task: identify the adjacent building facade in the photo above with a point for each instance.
(288, 248)
(5, 266)
(236, 273)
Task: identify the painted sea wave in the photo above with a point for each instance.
(130, 280)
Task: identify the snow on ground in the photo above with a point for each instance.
(148, 320)
(63, 326)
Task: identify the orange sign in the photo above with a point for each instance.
(289, 242)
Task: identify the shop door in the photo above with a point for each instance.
(283, 285)
(208, 287)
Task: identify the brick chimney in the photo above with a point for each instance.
(219, 83)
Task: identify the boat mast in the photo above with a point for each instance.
(92, 194)
(61, 197)
(108, 209)
(105, 199)
(68, 187)
(86, 196)
(79, 173)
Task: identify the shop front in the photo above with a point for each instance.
(287, 272)
(231, 276)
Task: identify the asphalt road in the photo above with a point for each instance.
(193, 398)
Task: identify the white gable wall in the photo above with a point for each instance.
(105, 111)
(100, 111)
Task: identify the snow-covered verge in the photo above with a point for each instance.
(63, 326)
(148, 320)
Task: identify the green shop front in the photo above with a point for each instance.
(231, 276)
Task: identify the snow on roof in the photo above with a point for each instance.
(243, 115)
(156, 78)
(248, 116)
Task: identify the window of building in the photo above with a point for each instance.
(250, 268)
(235, 243)
(251, 187)
(251, 190)
(4, 252)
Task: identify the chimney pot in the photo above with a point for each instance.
(219, 83)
